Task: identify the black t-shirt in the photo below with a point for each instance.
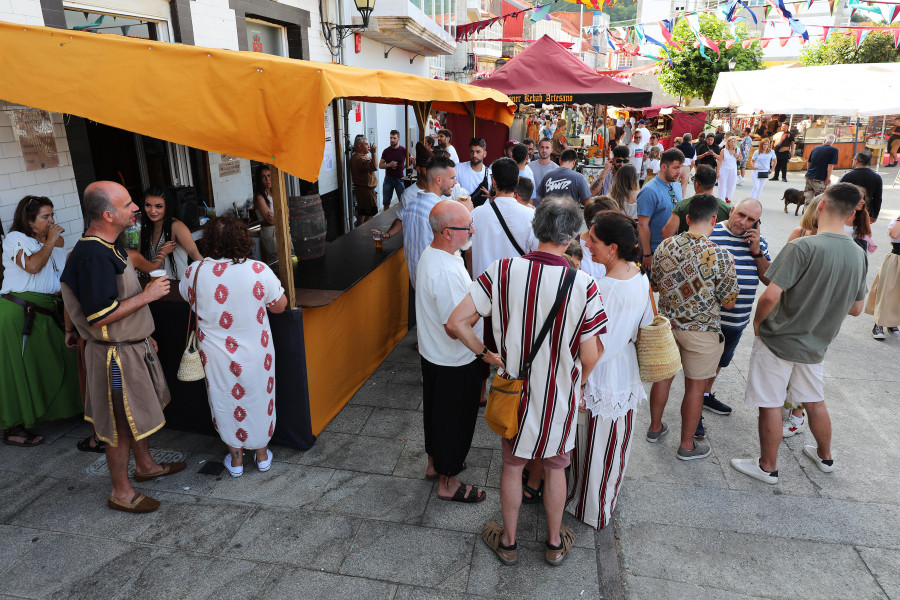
(91, 272)
(785, 144)
(710, 160)
(873, 184)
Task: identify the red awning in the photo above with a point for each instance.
(547, 72)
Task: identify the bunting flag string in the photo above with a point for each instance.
(464, 31)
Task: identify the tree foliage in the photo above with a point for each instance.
(692, 76)
(840, 49)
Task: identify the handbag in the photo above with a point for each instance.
(502, 410)
(509, 234)
(479, 197)
(762, 174)
(657, 352)
(191, 366)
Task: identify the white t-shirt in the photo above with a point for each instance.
(442, 282)
(645, 135)
(17, 279)
(763, 162)
(636, 155)
(527, 172)
(469, 178)
(490, 242)
(651, 164)
(452, 152)
(658, 146)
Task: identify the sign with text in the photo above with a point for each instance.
(229, 165)
(34, 131)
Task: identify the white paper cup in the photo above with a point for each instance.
(156, 274)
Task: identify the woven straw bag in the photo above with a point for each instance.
(657, 352)
(191, 366)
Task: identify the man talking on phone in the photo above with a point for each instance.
(740, 236)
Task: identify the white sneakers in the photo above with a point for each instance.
(262, 465)
(751, 468)
(235, 471)
(792, 425)
(813, 453)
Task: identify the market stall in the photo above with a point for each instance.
(547, 73)
(272, 110)
(850, 101)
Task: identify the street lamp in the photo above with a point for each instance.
(365, 8)
(732, 64)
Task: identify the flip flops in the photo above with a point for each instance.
(491, 533)
(166, 469)
(139, 504)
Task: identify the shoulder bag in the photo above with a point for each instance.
(657, 352)
(502, 411)
(506, 229)
(479, 197)
(191, 366)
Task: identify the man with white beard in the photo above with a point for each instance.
(451, 373)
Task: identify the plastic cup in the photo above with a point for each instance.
(379, 240)
(156, 274)
(463, 195)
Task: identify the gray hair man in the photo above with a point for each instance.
(821, 163)
(519, 294)
(451, 373)
(364, 174)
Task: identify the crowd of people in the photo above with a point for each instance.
(520, 271)
(550, 284)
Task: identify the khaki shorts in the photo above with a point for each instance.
(700, 352)
(769, 376)
(814, 187)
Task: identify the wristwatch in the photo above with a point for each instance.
(483, 353)
(758, 255)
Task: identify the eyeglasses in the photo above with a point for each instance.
(469, 228)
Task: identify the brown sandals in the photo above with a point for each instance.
(139, 504)
(167, 469)
(491, 533)
(555, 555)
(29, 438)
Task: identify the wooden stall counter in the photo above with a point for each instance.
(354, 302)
(845, 152)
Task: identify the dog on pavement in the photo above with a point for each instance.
(793, 196)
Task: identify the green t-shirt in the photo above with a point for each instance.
(822, 276)
(681, 209)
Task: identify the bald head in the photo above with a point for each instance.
(445, 215)
(744, 215)
(98, 199)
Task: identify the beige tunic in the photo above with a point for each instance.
(144, 390)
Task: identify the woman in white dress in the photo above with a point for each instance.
(729, 158)
(613, 389)
(235, 340)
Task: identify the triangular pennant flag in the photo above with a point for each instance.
(783, 41)
(826, 31)
(860, 36)
(831, 4)
(698, 45)
(896, 38)
(799, 28)
(666, 31)
(764, 42)
(729, 44)
(746, 43)
(541, 12)
(894, 14)
(711, 44)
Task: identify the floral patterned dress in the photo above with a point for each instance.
(236, 346)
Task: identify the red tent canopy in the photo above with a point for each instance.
(546, 72)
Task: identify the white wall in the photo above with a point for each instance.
(26, 12)
(57, 183)
(214, 24)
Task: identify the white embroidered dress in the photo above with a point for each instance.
(614, 386)
(236, 346)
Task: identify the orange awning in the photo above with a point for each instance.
(247, 104)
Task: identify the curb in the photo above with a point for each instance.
(608, 573)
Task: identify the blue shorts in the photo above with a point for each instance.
(732, 337)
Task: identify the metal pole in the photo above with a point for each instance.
(881, 158)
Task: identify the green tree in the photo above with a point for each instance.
(692, 76)
(840, 49)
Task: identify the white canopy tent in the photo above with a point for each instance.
(866, 90)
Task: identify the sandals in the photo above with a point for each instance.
(535, 496)
(31, 439)
(85, 445)
(461, 495)
(166, 469)
(139, 504)
(555, 555)
(491, 533)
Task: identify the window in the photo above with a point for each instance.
(95, 22)
(266, 38)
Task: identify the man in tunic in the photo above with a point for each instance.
(519, 294)
(363, 173)
(125, 387)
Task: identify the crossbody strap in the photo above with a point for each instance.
(506, 228)
(192, 315)
(568, 281)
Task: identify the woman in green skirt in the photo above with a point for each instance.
(38, 374)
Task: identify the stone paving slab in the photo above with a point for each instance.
(353, 453)
(286, 582)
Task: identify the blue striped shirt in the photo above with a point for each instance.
(747, 275)
(417, 232)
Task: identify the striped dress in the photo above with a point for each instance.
(747, 275)
(518, 294)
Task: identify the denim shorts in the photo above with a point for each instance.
(732, 337)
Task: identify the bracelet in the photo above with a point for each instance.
(483, 353)
(759, 255)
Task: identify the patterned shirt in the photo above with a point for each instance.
(694, 277)
(417, 232)
(747, 274)
(518, 294)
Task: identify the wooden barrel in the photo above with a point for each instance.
(307, 226)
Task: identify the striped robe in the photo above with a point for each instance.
(518, 294)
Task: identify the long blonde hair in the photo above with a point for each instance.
(764, 141)
(810, 219)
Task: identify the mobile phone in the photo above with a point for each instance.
(756, 225)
